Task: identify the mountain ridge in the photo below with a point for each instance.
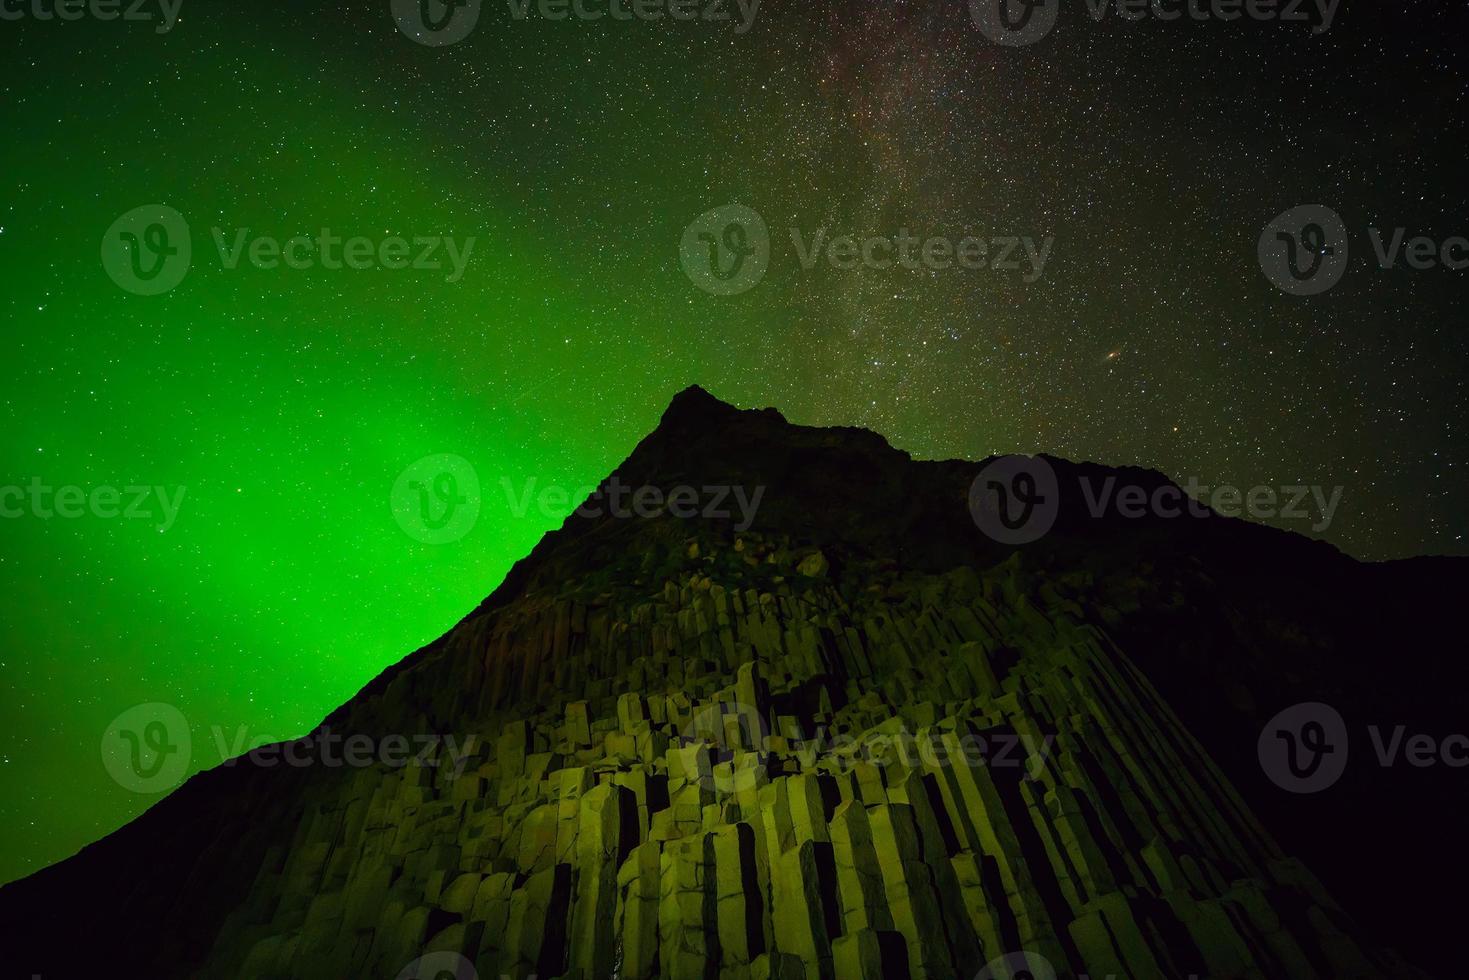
(879, 520)
(692, 415)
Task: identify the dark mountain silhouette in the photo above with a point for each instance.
(702, 751)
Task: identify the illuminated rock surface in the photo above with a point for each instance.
(855, 740)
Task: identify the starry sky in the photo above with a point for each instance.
(286, 403)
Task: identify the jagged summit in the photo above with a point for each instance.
(695, 412)
(848, 489)
(702, 752)
(692, 404)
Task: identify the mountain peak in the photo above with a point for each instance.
(695, 407)
(695, 395)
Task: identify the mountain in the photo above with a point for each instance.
(837, 732)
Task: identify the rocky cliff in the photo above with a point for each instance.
(855, 739)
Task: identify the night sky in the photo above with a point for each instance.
(286, 403)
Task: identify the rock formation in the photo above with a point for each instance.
(856, 740)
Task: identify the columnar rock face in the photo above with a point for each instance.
(704, 780)
(851, 739)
